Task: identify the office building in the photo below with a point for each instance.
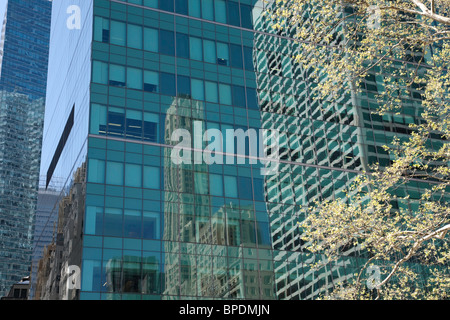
(137, 95)
(23, 59)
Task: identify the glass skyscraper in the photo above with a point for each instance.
(23, 80)
(138, 92)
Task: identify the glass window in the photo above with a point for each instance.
(236, 56)
(184, 85)
(166, 42)
(166, 5)
(248, 58)
(134, 124)
(181, 6)
(216, 185)
(225, 94)
(209, 51)
(221, 11)
(99, 72)
(151, 122)
(183, 45)
(198, 90)
(211, 91)
(134, 36)
(233, 13)
(151, 81)
(133, 175)
(114, 173)
(134, 78)
(151, 3)
(194, 8)
(113, 222)
(230, 183)
(167, 84)
(116, 121)
(207, 9)
(151, 225)
(222, 54)
(96, 171)
(201, 183)
(101, 29)
(151, 177)
(118, 33)
(196, 48)
(98, 119)
(94, 220)
(151, 37)
(252, 99)
(246, 16)
(245, 188)
(116, 75)
(239, 96)
(132, 224)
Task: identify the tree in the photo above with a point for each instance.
(405, 45)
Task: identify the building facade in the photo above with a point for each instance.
(23, 80)
(142, 96)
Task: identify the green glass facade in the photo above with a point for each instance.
(155, 229)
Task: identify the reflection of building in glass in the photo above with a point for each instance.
(65, 248)
(23, 60)
(324, 144)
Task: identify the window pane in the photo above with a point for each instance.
(132, 224)
(151, 39)
(207, 9)
(151, 122)
(98, 119)
(167, 84)
(233, 13)
(116, 75)
(134, 124)
(230, 186)
(252, 99)
(246, 16)
(211, 91)
(114, 173)
(96, 171)
(222, 54)
(116, 121)
(183, 45)
(225, 94)
(198, 90)
(113, 222)
(184, 85)
(101, 30)
(166, 41)
(100, 72)
(151, 81)
(238, 96)
(94, 220)
(133, 175)
(151, 3)
(221, 11)
(166, 5)
(194, 8)
(248, 58)
(215, 185)
(181, 6)
(118, 32)
(134, 78)
(151, 225)
(151, 177)
(196, 48)
(209, 51)
(236, 56)
(134, 36)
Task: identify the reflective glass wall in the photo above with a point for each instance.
(166, 192)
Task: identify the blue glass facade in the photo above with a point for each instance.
(23, 80)
(134, 76)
